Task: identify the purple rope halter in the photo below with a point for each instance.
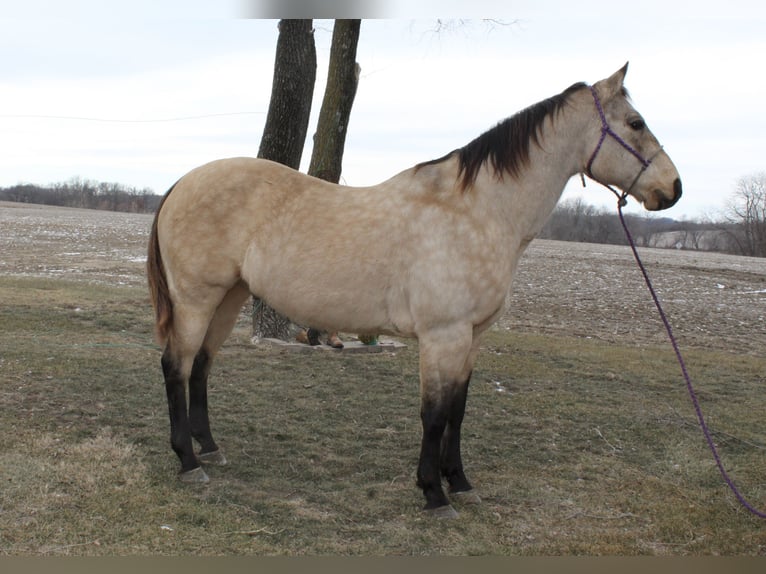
(605, 131)
(622, 201)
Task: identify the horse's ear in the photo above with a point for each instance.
(624, 71)
(613, 84)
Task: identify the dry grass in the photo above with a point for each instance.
(576, 447)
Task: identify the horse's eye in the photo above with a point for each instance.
(637, 124)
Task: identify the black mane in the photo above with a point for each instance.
(506, 145)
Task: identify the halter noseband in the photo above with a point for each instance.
(607, 130)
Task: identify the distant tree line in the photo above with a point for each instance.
(85, 193)
(740, 229)
(744, 217)
(577, 220)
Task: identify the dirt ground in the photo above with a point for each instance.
(712, 300)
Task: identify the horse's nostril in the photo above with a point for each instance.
(677, 189)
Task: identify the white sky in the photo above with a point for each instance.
(100, 90)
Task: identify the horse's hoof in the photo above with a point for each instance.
(215, 457)
(194, 476)
(440, 512)
(466, 497)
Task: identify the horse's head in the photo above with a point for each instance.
(625, 153)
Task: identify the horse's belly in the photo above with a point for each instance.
(320, 295)
(337, 309)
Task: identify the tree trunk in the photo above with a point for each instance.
(284, 134)
(292, 91)
(342, 81)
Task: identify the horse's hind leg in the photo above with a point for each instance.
(176, 368)
(184, 361)
(198, 411)
(220, 327)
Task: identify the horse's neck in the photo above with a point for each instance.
(526, 202)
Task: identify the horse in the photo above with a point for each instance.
(442, 241)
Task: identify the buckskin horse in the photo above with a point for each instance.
(442, 241)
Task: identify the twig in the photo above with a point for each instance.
(614, 448)
(263, 530)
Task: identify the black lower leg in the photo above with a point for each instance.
(451, 460)
(180, 435)
(198, 410)
(434, 419)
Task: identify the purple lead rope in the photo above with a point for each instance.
(687, 378)
(622, 201)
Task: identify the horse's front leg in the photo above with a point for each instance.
(446, 361)
(434, 420)
(451, 459)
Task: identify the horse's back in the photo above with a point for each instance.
(226, 185)
(226, 200)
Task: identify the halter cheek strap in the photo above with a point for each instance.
(606, 130)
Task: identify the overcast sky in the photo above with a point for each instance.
(142, 92)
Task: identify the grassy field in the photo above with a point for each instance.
(577, 445)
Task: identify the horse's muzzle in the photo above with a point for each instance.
(666, 202)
